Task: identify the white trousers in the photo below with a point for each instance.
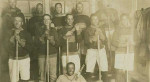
(124, 61)
(94, 55)
(22, 68)
(71, 58)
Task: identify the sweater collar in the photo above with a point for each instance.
(92, 26)
(18, 29)
(69, 26)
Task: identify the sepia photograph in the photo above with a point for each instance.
(74, 40)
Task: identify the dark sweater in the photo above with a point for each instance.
(23, 52)
(8, 24)
(82, 19)
(120, 39)
(33, 22)
(90, 34)
(9, 13)
(42, 47)
(59, 21)
(74, 40)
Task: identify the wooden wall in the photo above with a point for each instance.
(28, 6)
(122, 6)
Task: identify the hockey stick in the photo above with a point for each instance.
(67, 56)
(98, 45)
(17, 63)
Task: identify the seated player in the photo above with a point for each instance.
(70, 76)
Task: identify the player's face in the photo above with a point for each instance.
(105, 2)
(94, 20)
(12, 3)
(70, 20)
(40, 8)
(47, 20)
(18, 22)
(58, 8)
(70, 69)
(125, 20)
(79, 8)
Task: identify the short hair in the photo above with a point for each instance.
(124, 15)
(68, 15)
(11, 0)
(39, 4)
(58, 4)
(19, 17)
(46, 15)
(70, 63)
(92, 15)
(79, 3)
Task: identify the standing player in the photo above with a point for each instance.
(69, 36)
(8, 15)
(36, 20)
(82, 21)
(19, 64)
(34, 23)
(122, 41)
(81, 18)
(59, 17)
(94, 41)
(109, 20)
(49, 61)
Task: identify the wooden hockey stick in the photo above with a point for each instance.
(17, 63)
(126, 58)
(67, 56)
(98, 45)
(47, 60)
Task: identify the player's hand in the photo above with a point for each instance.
(47, 32)
(51, 39)
(22, 42)
(94, 39)
(17, 31)
(42, 39)
(12, 39)
(17, 38)
(77, 27)
(69, 33)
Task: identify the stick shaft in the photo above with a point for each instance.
(59, 62)
(98, 45)
(79, 49)
(67, 57)
(109, 36)
(17, 67)
(82, 68)
(77, 46)
(126, 58)
(48, 60)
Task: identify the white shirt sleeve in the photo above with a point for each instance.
(82, 79)
(59, 79)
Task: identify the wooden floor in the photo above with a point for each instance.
(139, 75)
